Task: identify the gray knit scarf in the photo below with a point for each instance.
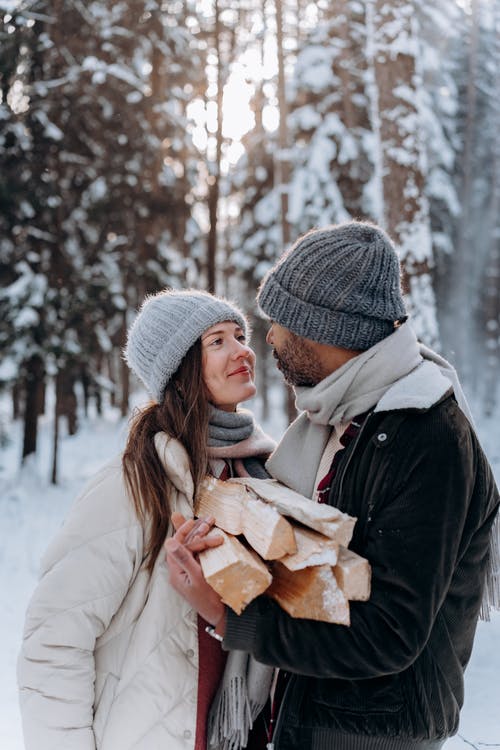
(236, 435)
(246, 683)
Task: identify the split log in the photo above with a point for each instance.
(237, 574)
(311, 593)
(353, 574)
(314, 575)
(236, 512)
(312, 549)
(271, 535)
(222, 500)
(326, 519)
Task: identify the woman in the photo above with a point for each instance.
(112, 657)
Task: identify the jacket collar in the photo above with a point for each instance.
(420, 389)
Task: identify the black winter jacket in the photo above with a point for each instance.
(425, 499)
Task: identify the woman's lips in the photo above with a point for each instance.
(241, 371)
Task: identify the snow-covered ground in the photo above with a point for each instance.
(31, 509)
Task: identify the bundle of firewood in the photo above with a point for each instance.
(279, 542)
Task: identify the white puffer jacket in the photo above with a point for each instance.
(109, 659)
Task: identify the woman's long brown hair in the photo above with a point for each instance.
(183, 414)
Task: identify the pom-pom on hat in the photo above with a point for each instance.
(166, 327)
(339, 286)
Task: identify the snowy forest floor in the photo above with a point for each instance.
(31, 509)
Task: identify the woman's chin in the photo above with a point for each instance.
(234, 396)
(247, 392)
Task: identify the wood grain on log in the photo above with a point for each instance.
(353, 574)
(311, 593)
(237, 574)
(312, 549)
(326, 519)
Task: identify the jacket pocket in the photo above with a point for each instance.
(376, 706)
(374, 696)
(102, 706)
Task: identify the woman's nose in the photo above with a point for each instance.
(241, 350)
(269, 336)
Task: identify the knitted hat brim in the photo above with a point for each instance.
(355, 331)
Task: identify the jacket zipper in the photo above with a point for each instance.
(349, 459)
(275, 736)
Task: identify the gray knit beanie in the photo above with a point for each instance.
(339, 285)
(166, 327)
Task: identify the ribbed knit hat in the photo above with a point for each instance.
(339, 285)
(166, 327)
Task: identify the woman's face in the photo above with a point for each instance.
(227, 365)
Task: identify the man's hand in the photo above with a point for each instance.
(185, 573)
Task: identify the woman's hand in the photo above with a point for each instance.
(185, 573)
(193, 533)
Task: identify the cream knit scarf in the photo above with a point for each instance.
(246, 683)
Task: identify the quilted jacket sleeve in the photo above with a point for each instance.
(85, 576)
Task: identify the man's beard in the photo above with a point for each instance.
(298, 363)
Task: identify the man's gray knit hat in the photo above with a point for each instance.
(339, 285)
(166, 327)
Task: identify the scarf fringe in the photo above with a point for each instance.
(491, 595)
(231, 721)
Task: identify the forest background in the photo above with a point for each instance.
(146, 144)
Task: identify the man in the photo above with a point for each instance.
(382, 437)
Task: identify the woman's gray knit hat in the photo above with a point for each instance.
(166, 327)
(339, 285)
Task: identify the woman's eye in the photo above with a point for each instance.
(242, 339)
(216, 341)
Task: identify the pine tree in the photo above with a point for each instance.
(109, 164)
(489, 293)
(329, 122)
(397, 125)
(442, 28)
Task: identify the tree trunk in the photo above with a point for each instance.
(35, 373)
(492, 280)
(463, 266)
(405, 208)
(55, 438)
(85, 381)
(16, 400)
(41, 398)
(348, 33)
(67, 397)
(283, 165)
(110, 361)
(283, 162)
(214, 166)
(374, 112)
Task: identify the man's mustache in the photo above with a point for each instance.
(277, 358)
